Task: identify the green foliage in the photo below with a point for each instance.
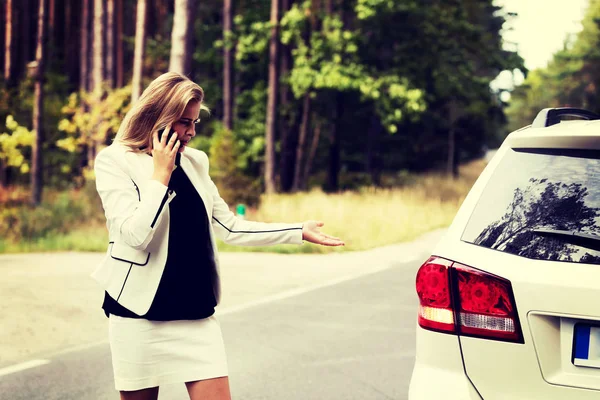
(252, 38)
(371, 67)
(13, 142)
(103, 119)
(60, 212)
(226, 172)
(328, 60)
(249, 130)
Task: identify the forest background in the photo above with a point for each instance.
(331, 109)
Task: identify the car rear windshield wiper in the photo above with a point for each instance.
(577, 238)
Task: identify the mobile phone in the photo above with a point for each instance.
(161, 131)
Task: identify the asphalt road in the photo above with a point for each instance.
(352, 340)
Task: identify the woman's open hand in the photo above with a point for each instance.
(311, 233)
(164, 154)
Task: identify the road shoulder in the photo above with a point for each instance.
(50, 303)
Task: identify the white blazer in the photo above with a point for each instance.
(137, 218)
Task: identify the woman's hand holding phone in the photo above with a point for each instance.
(164, 151)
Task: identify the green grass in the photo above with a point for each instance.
(364, 219)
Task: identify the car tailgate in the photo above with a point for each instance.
(552, 298)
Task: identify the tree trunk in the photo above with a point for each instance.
(110, 43)
(60, 21)
(3, 177)
(9, 44)
(120, 78)
(311, 155)
(51, 18)
(2, 34)
(73, 40)
(452, 162)
(26, 36)
(272, 102)
(334, 148)
(182, 37)
(301, 143)
(156, 16)
(289, 144)
(372, 166)
(84, 71)
(227, 65)
(450, 155)
(287, 135)
(99, 69)
(37, 163)
(99, 72)
(329, 7)
(140, 45)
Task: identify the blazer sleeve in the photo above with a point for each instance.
(131, 214)
(236, 231)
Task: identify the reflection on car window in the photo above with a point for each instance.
(533, 191)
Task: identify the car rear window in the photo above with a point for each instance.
(541, 204)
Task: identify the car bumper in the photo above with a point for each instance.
(438, 372)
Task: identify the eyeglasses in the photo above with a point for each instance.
(188, 122)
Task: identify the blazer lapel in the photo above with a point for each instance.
(188, 168)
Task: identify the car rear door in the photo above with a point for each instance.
(533, 188)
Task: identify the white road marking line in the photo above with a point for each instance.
(23, 366)
(295, 292)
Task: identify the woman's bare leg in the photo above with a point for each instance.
(209, 389)
(144, 394)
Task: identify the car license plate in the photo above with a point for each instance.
(586, 345)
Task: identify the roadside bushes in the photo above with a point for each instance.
(59, 213)
(227, 165)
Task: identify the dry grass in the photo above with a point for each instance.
(373, 217)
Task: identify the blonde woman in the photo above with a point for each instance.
(160, 273)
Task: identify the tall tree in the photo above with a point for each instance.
(227, 65)
(182, 37)
(99, 59)
(272, 99)
(26, 36)
(84, 71)
(9, 43)
(140, 49)
(98, 67)
(311, 154)
(38, 106)
(110, 43)
(300, 180)
(334, 135)
(2, 34)
(51, 17)
(288, 126)
(333, 171)
(304, 127)
(119, 74)
(73, 40)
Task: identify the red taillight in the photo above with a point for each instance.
(455, 298)
(433, 288)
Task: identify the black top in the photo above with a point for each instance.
(185, 290)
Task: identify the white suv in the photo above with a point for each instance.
(510, 299)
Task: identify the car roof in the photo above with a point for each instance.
(576, 134)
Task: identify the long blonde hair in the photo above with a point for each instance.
(162, 103)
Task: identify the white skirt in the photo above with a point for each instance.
(147, 354)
